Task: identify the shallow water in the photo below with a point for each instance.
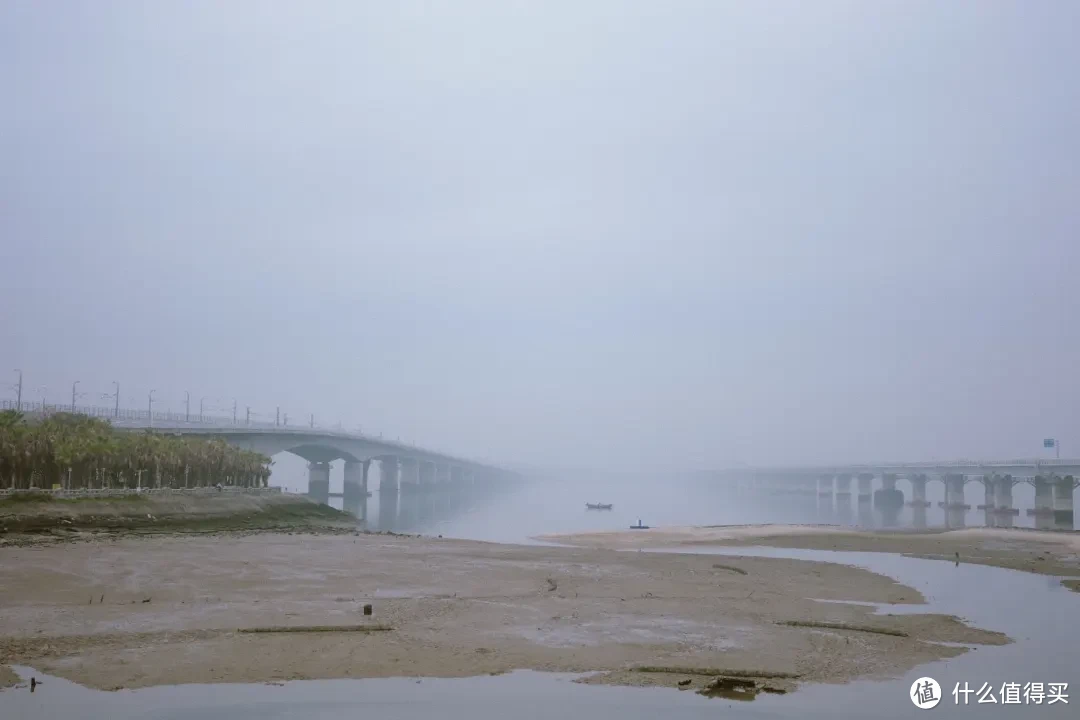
(559, 507)
(1034, 610)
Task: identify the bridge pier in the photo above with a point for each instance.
(1044, 497)
(355, 488)
(918, 492)
(1063, 501)
(843, 489)
(442, 475)
(319, 482)
(825, 487)
(410, 475)
(389, 481)
(843, 498)
(866, 488)
(426, 472)
(988, 503)
(889, 498)
(954, 492)
(1003, 496)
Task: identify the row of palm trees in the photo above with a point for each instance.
(75, 452)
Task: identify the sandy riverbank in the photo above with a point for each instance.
(142, 611)
(1045, 552)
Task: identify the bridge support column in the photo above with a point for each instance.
(888, 497)
(988, 483)
(954, 493)
(355, 484)
(918, 491)
(1003, 495)
(427, 476)
(1044, 497)
(319, 482)
(355, 489)
(866, 488)
(843, 488)
(825, 487)
(410, 475)
(388, 478)
(1063, 501)
(442, 475)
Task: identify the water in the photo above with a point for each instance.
(559, 507)
(1034, 610)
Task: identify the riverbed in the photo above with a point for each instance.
(1017, 603)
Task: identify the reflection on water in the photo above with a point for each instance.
(513, 515)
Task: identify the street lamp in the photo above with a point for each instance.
(116, 398)
(150, 407)
(18, 392)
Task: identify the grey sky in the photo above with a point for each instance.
(581, 233)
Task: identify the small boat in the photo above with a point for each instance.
(639, 526)
(598, 506)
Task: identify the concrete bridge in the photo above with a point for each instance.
(403, 467)
(1054, 482)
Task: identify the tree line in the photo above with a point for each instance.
(75, 452)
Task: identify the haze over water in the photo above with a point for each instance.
(558, 506)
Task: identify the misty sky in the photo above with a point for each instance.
(622, 234)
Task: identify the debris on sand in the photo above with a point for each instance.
(368, 609)
(765, 674)
(552, 585)
(733, 688)
(732, 568)
(844, 626)
(316, 628)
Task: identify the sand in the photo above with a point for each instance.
(1044, 552)
(139, 611)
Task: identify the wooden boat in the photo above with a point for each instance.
(598, 506)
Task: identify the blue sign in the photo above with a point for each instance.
(1049, 443)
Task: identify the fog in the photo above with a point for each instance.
(613, 234)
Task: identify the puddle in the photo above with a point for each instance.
(1036, 611)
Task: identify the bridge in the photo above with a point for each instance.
(1054, 482)
(404, 468)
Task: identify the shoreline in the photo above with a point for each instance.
(1044, 552)
(136, 611)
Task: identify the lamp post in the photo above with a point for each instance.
(187, 406)
(150, 407)
(18, 392)
(116, 398)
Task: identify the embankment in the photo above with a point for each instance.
(33, 517)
